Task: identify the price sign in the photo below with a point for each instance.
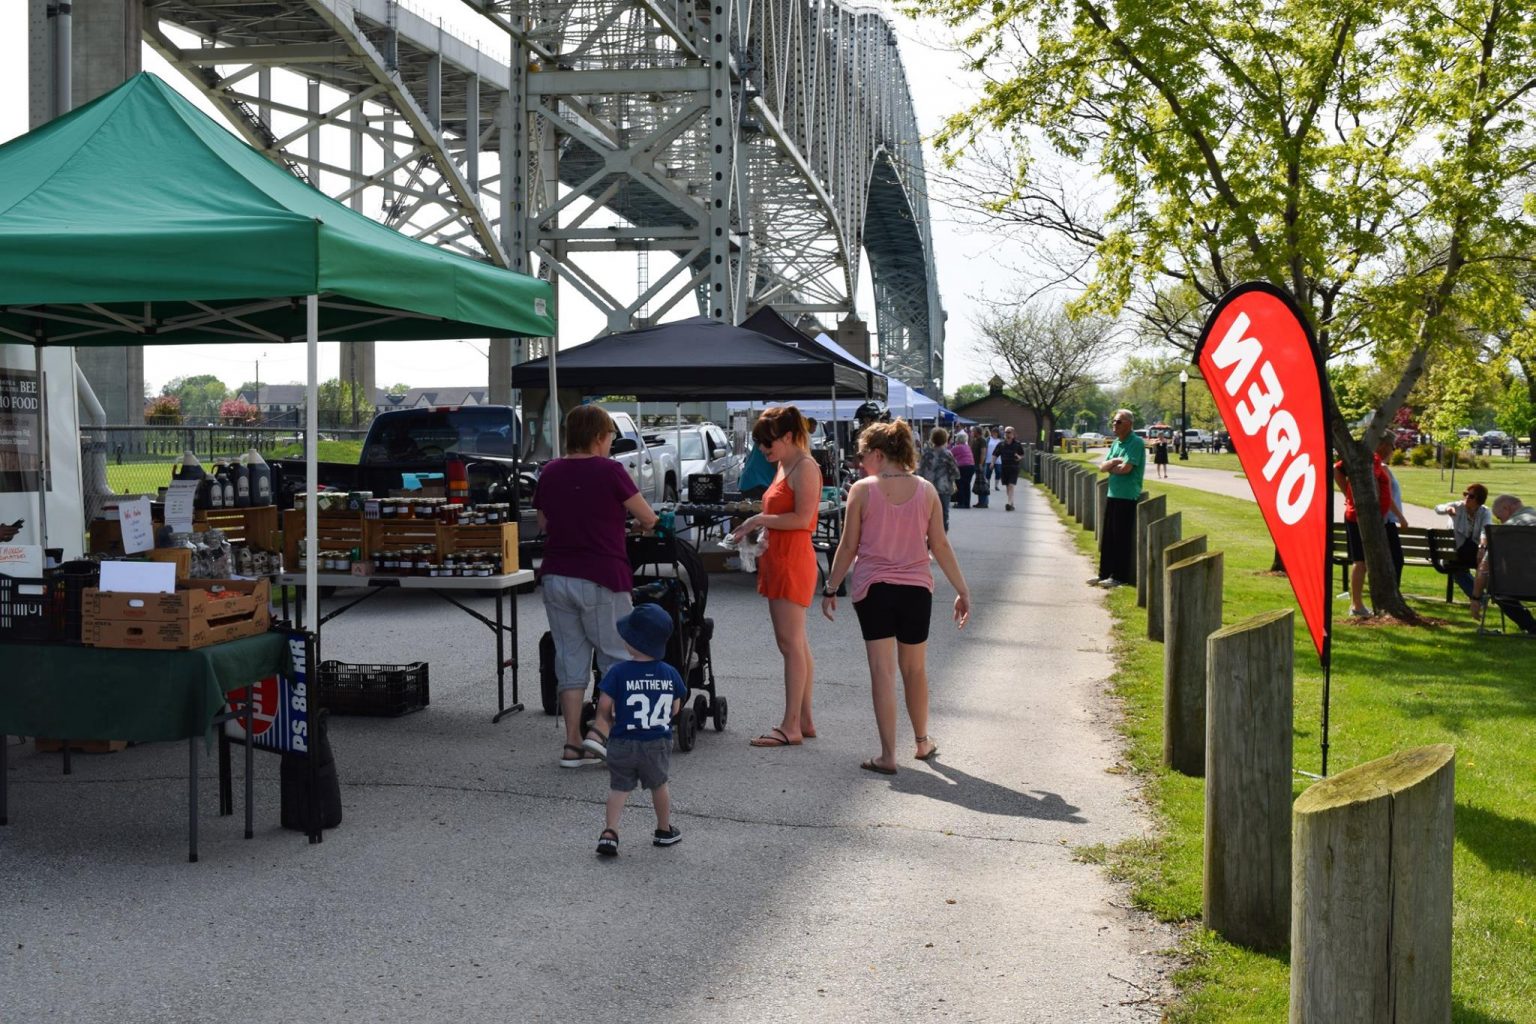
(178, 505)
(138, 528)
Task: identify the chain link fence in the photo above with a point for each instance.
(133, 460)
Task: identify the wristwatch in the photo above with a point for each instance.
(828, 590)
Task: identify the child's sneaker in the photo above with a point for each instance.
(608, 843)
(667, 837)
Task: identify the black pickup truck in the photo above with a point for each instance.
(483, 438)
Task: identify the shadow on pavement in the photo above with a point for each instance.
(954, 786)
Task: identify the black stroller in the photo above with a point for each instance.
(667, 572)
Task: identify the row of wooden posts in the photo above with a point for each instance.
(1355, 875)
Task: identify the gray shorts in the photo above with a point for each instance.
(646, 762)
(583, 618)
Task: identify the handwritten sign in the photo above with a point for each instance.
(138, 528)
(179, 498)
(21, 560)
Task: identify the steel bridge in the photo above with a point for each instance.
(741, 152)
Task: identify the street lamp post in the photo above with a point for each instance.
(1183, 415)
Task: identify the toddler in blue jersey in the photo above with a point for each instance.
(636, 701)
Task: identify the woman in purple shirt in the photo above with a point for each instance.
(582, 500)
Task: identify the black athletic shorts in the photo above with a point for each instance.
(1352, 542)
(895, 610)
(1010, 474)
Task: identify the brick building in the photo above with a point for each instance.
(1005, 410)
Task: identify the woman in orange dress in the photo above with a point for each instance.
(787, 571)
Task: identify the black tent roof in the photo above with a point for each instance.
(691, 360)
(771, 322)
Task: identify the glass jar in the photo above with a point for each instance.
(387, 508)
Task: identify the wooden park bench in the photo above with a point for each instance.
(1435, 549)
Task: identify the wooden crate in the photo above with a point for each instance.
(337, 531)
(256, 527)
(502, 538)
(399, 534)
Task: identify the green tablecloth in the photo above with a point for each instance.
(95, 693)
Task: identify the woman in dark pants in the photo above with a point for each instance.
(960, 448)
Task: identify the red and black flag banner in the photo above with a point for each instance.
(1261, 361)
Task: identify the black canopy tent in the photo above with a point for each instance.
(692, 360)
(769, 321)
(698, 359)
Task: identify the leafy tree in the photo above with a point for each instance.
(1516, 414)
(1369, 158)
(238, 411)
(399, 389)
(1152, 391)
(967, 393)
(163, 410)
(341, 405)
(1049, 359)
(199, 396)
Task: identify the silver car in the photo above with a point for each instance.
(703, 448)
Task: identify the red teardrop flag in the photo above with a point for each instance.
(1258, 355)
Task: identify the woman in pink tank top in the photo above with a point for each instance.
(894, 522)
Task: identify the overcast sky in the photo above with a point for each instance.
(969, 264)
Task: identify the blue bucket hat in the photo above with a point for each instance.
(646, 629)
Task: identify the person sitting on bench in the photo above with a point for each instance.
(1510, 511)
(1469, 517)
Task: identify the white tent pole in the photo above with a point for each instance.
(42, 451)
(554, 403)
(311, 473)
(677, 415)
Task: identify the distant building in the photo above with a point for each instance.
(1006, 411)
(418, 398)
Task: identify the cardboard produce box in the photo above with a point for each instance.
(190, 617)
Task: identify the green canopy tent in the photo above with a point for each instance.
(138, 220)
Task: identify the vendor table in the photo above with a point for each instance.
(444, 587)
(71, 692)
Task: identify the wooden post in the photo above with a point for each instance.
(1148, 510)
(1177, 551)
(1249, 708)
(1192, 615)
(1100, 496)
(1160, 534)
(1069, 490)
(1090, 501)
(1084, 487)
(1371, 892)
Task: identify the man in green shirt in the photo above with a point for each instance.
(1125, 464)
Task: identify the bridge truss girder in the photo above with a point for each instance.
(756, 145)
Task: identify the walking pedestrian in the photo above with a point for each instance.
(585, 576)
(938, 467)
(960, 448)
(1126, 465)
(1160, 456)
(994, 469)
(786, 572)
(1010, 455)
(979, 453)
(894, 523)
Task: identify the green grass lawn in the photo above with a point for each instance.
(1421, 485)
(1393, 688)
(147, 477)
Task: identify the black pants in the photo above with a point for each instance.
(1516, 612)
(963, 494)
(1117, 545)
(1395, 545)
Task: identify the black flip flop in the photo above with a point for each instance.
(774, 737)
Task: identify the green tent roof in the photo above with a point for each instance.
(137, 219)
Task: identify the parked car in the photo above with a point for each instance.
(702, 448)
(1092, 437)
(652, 464)
(1196, 439)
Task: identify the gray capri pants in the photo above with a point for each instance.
(583, 617)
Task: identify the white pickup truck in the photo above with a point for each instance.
(652, 465)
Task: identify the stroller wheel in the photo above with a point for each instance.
(719, 713)
(547, 682)
(687, 729)
(701, 709)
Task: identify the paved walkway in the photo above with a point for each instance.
(463, 886)
(1235, 485)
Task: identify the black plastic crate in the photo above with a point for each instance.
(381, 690)
(51, 616)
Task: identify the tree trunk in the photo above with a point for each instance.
(1386, 596)
(1277, 564)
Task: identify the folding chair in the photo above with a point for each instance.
(1511, 569)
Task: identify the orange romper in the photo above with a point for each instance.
(788, 568)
